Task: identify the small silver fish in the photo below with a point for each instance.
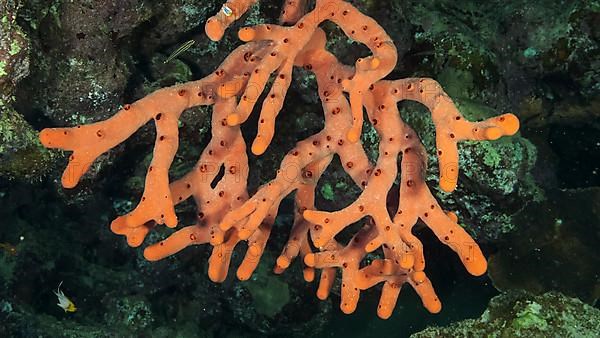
(180, 50)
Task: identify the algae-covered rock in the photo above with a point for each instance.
(78, 68)
(23, 323)
(21, 154)
(269, 292)
(14, 49)
(508, 47)
(520, 314)
(270, 304)
(130, 313)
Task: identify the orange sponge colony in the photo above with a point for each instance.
(227, 215)
(231, 11)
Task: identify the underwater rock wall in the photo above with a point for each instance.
(21, 154)
(521, 314)
(71, 62)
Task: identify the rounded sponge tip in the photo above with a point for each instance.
(46, 137)
(433, 306)
(448, 184)
(214, 29)
(310, 260)
(283, 262)
(259, 146)
(247, 34)
(476, 264)
(153, 255)
(510, 123)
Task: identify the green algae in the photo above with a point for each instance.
(520, 314)
(269, 292)
(3, 68)
(24, 157)
(327, 192)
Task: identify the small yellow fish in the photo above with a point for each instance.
(9, 248)
(63, 301)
